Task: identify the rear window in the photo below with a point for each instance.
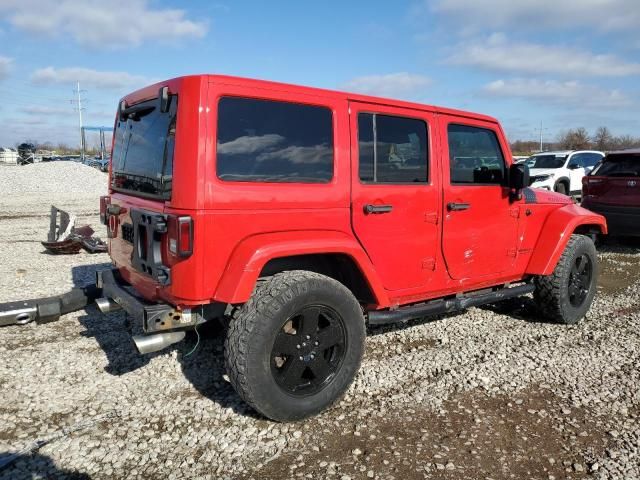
(621, 165)
(142, 160)
(271, 141)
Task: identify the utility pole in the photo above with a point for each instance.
(77, 101)
(541, 130)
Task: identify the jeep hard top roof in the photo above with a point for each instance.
(151, 91)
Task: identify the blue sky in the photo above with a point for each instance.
(566, 63)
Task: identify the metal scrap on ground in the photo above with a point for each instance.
(65, 238)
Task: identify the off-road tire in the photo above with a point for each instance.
(552, 291)
(561, 188)
(255, 325)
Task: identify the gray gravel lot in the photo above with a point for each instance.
(488, 393)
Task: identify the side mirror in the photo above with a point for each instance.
(573, 166)
(518, 178)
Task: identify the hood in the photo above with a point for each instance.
(540, 196)
(534, 172)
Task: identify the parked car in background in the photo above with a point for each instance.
(101, 164)
(613, 190)
(562, 171)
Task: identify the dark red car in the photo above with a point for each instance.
(613, 190)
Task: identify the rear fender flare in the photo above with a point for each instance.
(250, 256)
(555, 234)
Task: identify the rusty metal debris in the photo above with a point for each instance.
(65, 238)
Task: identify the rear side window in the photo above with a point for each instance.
(621, 165)
(392, 149)
(270, 141)
(475, 157)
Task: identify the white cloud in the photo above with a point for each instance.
(5, 66)
(248, 145)
(96, 23)
(398, 85)
(604, 15)
(497, 53)
(569, 93)
(88, 77)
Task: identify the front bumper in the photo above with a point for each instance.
(620, 220)
(154, 317)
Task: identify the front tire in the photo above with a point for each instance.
(561, 188)
(294, 348)
(566, 295)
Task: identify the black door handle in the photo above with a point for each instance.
(368, 208)
(456, 207)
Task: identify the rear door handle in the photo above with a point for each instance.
(369, 208)
(456, 207)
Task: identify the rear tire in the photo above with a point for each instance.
(566, 295)
(294, 348)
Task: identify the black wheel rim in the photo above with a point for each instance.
(580, 280)
(308, 350)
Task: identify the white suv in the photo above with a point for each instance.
(562, 171)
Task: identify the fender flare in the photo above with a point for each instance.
(250, 256)
(555, 234)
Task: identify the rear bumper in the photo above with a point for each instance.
(154, 317)
(620, 220)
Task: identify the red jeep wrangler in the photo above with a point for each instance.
(300, 215)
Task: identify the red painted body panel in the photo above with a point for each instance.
(558, 227)
(418, 252)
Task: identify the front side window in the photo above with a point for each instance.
(392, 149)
(475, 157)
(272, 141)
(592, 159)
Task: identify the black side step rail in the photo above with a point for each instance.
(435, 307)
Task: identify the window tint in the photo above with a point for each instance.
(475, 156)
(619, 165)
(578, 160)
(392, 149)
(585, 159)
(591, 159)
(269, 141)
(143, 150)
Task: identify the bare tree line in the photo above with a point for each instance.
(579, 139)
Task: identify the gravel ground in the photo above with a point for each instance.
(488, 393)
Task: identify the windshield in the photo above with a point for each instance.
(142, 161)
(548, 161)
(622, 165)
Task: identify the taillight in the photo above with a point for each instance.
(104, 203)
(180, 235)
